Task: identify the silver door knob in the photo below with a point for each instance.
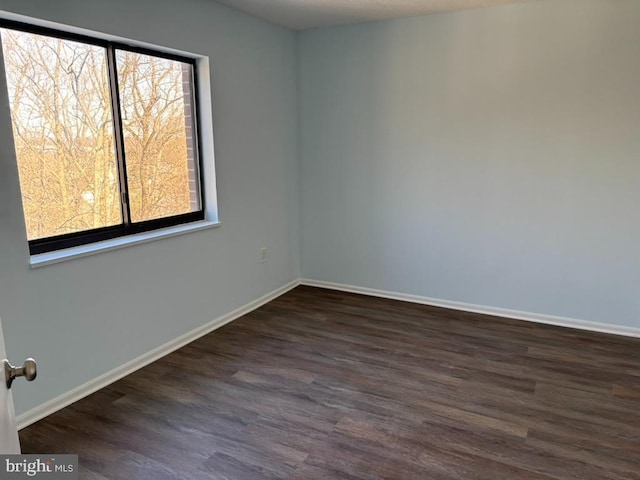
(28, 371)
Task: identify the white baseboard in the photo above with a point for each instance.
(469, 307)
(108, 378)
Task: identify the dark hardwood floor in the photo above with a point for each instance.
(326, 385)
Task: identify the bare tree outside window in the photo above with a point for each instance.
(63, 133)
(158, 137)
(96, 154)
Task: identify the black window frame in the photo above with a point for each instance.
(126, 228)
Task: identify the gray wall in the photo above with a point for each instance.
(488, 157)
(84, 317)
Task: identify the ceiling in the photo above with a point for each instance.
(303, 14)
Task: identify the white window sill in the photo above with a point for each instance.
(58, 256)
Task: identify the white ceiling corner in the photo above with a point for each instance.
(304, 14)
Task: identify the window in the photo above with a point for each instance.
(105, 136)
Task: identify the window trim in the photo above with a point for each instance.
(60, 243)
(88, 249)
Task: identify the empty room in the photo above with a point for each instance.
(320, 239)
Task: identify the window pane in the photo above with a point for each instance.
(157, 119)
(63, 133)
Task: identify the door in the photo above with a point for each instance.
(9, 442)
